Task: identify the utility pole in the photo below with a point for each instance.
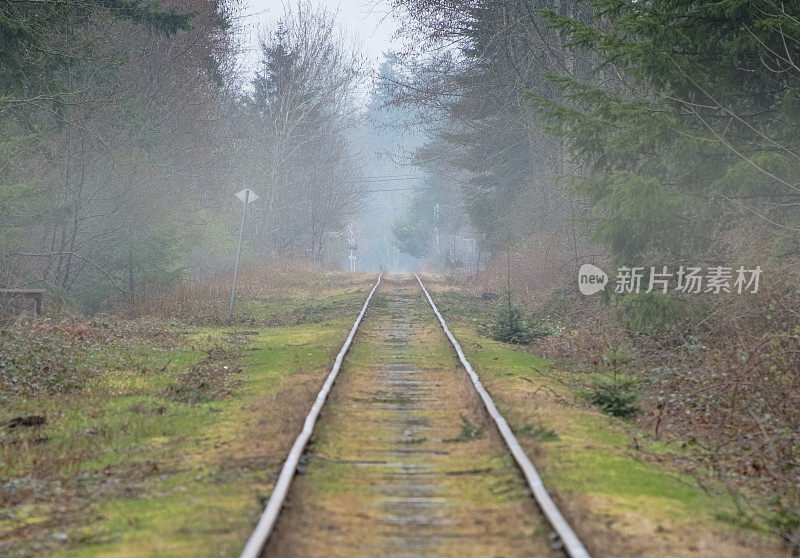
(247, 196)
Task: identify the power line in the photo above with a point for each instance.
(398, 189)
(389, 178)
(327, 194)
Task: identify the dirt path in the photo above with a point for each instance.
(404, 461)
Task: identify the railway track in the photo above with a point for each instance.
(416, 489)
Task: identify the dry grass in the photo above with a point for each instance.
(155, 408)
(204, 296)
(477, 502)
(724, 383)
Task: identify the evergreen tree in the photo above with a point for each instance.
(687, 125)
(495, 141)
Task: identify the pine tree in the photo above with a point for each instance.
(689, 116)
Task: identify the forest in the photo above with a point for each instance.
(503, 148)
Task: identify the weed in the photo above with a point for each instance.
(787, 523)
(468, 432)
(537, 432)
(511, 326)
(387, 399)
(736, 518)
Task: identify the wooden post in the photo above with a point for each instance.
(35, 294)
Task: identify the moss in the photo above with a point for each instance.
(174, 520)
(174, 490)
(592, 456)
(497, 359)
(367, 428)
(467, 433)
(278, 352)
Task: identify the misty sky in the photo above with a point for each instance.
(364, 20)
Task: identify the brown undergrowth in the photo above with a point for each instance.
(723, 383)
(157, 432)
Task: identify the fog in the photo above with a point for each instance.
(604, 193)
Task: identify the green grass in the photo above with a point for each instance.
(630, 483)
(467, 433)
(591, 454)
(278, 352)
(152, 469)
(179, 517)
(537, 432)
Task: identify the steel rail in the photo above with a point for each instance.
(260, 535)
(572, 544)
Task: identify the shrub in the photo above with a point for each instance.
(510, 326)
(468, 432)
(616, 397)
(652, 313)
(48, 358)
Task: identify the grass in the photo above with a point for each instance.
(537, 432)
(591, 454)
(129, 465)
(468, 432)
(370, 434)
(171, 437)
(589, 458)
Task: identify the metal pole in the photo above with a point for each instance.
(239, 252)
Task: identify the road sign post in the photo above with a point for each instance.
(247, 196)
(352, 246)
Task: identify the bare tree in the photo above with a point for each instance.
(298, 154)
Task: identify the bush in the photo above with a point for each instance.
(617, 397)
(510, 326)
(652, 313)
(47, 359)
